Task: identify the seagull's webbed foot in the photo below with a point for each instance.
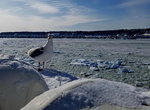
(40, 69)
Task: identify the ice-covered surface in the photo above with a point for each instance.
(19, 83)
(135, 55)
(81, 62)
(96, 65)
(55, 78)
(91, 94)
(104, 59)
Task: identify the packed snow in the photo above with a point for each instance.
(89, 94)
(55, 78)
(19, 83)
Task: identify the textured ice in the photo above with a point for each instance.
(65, 50)
(125, 70)
(94, 68)
(80, 62)
(90, 50)
(3, 56)
(94, 65)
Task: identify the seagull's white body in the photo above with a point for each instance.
(47, 52)
(42, 54)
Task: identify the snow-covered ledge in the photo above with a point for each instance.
(19, 83)
(92, 94)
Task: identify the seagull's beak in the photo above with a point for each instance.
(50, 37)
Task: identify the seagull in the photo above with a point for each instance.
(42, 54)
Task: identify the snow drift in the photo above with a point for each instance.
(54, 78)
(90, 94)
(19, 83)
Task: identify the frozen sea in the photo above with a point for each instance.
(135, 55)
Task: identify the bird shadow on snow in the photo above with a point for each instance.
(54, 73)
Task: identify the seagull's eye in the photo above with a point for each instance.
(42, 48)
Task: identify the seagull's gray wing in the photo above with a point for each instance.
(36, 52)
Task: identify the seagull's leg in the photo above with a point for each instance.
(43, 64)
(39, 65)
(39, 69)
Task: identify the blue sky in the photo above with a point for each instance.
(73, 15)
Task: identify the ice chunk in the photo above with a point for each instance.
(94, 68)
(80, 62)
(149, 67)
(125, 70)
(146, 63)
(111, 64)
(2, 56)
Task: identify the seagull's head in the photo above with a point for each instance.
(50, 37)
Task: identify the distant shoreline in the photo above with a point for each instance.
(107, 34)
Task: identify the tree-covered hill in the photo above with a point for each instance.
(106, 34)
